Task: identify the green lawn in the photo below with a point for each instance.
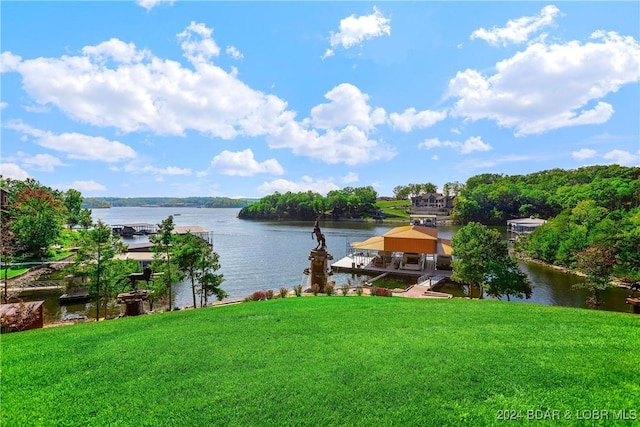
(394, 207)
(326, 361)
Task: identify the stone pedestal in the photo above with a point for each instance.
(319, 271)
(133, 302)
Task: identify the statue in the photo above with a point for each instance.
(319, 237)
(134, 277)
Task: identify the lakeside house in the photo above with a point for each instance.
(436, 206)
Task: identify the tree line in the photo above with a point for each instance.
(348, 202)
(495, 198)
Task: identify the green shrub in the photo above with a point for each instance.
(284, 292)
(315, 288)
(269, 294)
(345, 289)
(298, 290)
(373, 291)
(329, 290)
(359, 290)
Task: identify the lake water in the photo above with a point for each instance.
(261, 255)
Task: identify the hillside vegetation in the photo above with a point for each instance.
(587, 208)
(348, 202)
(326, 361)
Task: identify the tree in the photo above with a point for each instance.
(73, 202)
(8, 251)
(38, 218)
(197, 262)
(482, 260)
(188, 255)
(95, 259)
(597, 262)
(162, 261)
(210, 281)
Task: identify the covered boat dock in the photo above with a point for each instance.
(407, 251)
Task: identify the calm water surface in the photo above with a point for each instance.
(261, 255)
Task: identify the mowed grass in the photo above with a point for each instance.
(325, 361)
(397, 208)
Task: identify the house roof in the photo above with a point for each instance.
(192, 228)
(372, 244)
(412, 232)
(410, 238)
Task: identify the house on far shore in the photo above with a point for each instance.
(435, 205)
(524, 225)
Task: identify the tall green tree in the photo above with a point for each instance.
(37, 219)
(198, 263)
(482, 261)
(95, 260)
(73, 202)
(597, 262)
(163, 262)
(188, 255)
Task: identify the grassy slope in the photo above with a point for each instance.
(395, 208)
(323, 361)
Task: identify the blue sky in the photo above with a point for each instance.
(242, 99)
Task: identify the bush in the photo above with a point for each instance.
(345, 289)
(329, 290)
(359, 290)
(373, 291)
(269, 294)
(259, 296)
(298, 290)
(284, 292)
(315, 288)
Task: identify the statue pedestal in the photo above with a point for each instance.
(319, 270)
(133, 302)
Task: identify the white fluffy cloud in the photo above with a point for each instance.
(150, 4)
(13, 171)
(137, 91)
(349, 145)
(233, 52)
(348, 106)
(583, 154)
(242, 163)
(529, 92)
(472, 144)
(41, 162)
(75, 145)
(353, 30)
(350, 178)
(305, 184)
(517, 30)
(87, 186)
(411, 119)
(622, 157)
